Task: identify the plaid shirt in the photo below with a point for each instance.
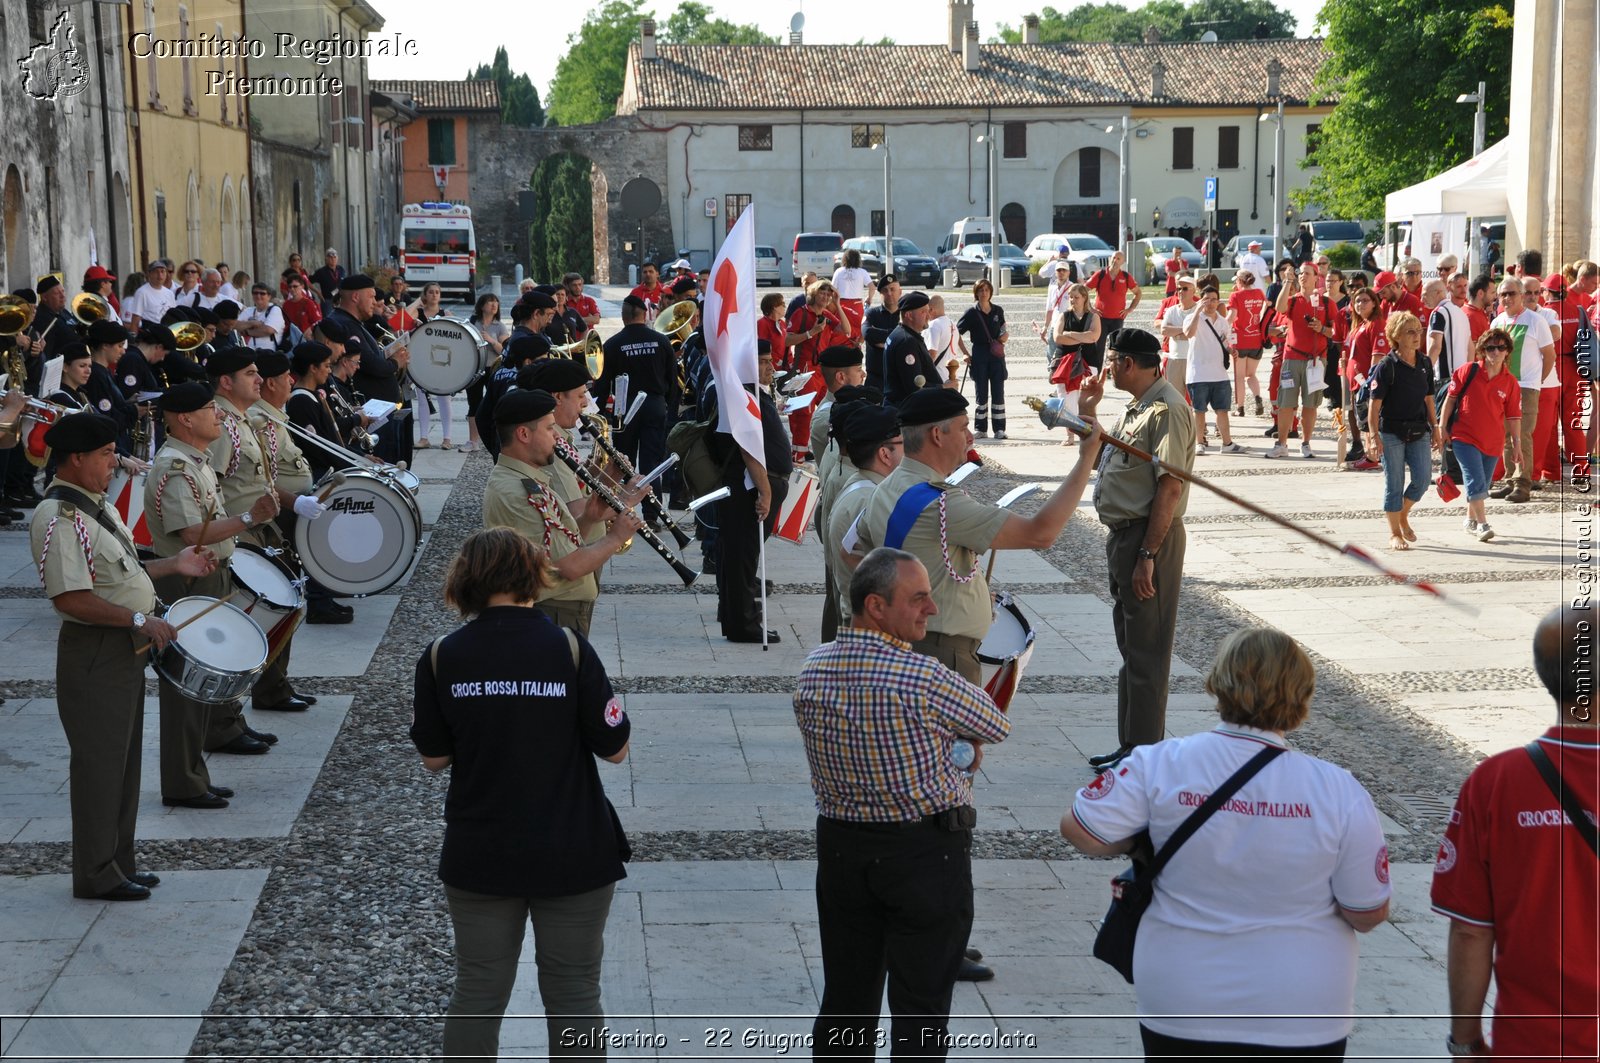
(878, 720)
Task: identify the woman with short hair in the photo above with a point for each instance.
(1490, 403)
(1249, 945)
(529, 834)
(984, 323)
(1404, 427)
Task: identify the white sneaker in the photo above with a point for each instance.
(1278, 451)
(1232, 448)
(1000, 434)
(1469, 525)
(1201, 448)
(1485, 533)
(1305, 451)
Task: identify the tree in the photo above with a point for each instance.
(1174, 20)
(1389, 129)
(519, 100)
(564, 239)
(691, 23)
(589, 77)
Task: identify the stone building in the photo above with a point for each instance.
(437, 159)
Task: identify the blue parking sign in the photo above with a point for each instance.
(1211, 194)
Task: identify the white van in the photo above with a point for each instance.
(963, 234)
(813, 253)
(438, 246)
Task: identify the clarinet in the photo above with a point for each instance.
(593, 482)
(652, 504)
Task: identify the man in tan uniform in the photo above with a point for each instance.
(106, 600)
(180, 503)
(522, 494)
(840, 367)
(567, 381)
(913, 509)
(870, 437)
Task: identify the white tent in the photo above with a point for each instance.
(1476, 188)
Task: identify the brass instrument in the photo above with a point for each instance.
(88, 308)
(677, 321)
(43, 412)
(589, 349)
(16, 314)
(599, 430)
(593, 482)
(189, 335)
(360, 438)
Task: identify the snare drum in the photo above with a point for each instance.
(1005, 650)
(270, 592)
(446, 356)
(404, 477)
(218, 657)
(368, 538)
(794, 516)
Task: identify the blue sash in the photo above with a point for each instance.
(917, 498)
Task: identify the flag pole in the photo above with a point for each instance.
(761, 579)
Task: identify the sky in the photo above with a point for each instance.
(449, 47)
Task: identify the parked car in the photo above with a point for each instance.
(1330, 234)
(1086, 251)
(769, 267)
(1158, 249)
(814, 251)
(973, 263)
(911, 265)
(1241, 243)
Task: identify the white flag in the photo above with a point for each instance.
(729, 323)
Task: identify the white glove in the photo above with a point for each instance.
(308, 507)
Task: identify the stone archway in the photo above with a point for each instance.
(19, 270)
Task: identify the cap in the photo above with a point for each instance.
(332, 331)
(271, 363)
(839, 356)
(1186, 279)
(1063, 249)
(155, 263)
(1384, 279)
(80, 432)
(521, 405)
(538, 300)
(98, 273)
(914, 301)
(1063, 264)
(105, 332)
(226, 310)
(1556, 283)
(931, 405)
(157, 334)
(48, 281)
(1254, 243)
(186, 397)
(871, 424)
(554, 374)
(1137, 343)
(355, 282)
(230, 360)
(526, 348)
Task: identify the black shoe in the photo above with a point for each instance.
(288, 704)
(260, 736)
(205, 800)
(973, 971)
(1294, 433)
(974, 955)
(1502, 489)
(772, 636)
(309, 699)
(1272, 430)
(11, 514)
(708, 567)
(220, 791)
(244, 745)
(770, 589)
(149, 880)
(23, 499)
(330, 615)
(126, 890)
(1106, 759)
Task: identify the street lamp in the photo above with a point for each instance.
(1122, 189)
(1473, 250)
(1155, 219)
(888, 211)
(987, 140)
(1278, 191)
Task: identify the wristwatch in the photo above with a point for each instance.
(138, 621)
(247, 518)
(1469, 1048)
(1146, 555)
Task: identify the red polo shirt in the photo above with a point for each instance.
(1303, 342)
(1484, 407)
(1111, 293)
(1477, 320)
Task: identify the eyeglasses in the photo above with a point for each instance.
(190, 272)
(1412, 272)
(1495, 347)
(1511, 291)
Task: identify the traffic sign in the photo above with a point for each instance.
(1211, 194)
(711, 206)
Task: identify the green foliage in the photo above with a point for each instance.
(1344, 256)
(519, 100)
(691, 23)
(1175, 20)
(564, 239)
(1396, 70)
(589, 77)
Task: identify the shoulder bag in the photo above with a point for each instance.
(1569, 801)
(1133, 890)
(996, 348)
(1444, 392)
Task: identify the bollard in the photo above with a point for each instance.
(519, 275)
(494, 285)
(633, 274)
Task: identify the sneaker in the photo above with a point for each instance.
(1305, 451)
(1469, 525)
(1365, 464)
(1485, 533)
(1000, 433)
(1260, 410)
(1279, 451)
(1201, 448)
(1232, 448)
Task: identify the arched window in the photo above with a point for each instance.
(1014, 223)
(245, 251)
(230, 234)
(844, 220)
(152, 66)
(191, 219)
(188, 63)
(18, 270)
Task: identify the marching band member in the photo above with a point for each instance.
(378, 376)
(838, 366)
(308, 407)
(567, 381)
(107, 341)
(138, 370)
(522, 350)
(870, 436)
(106, 601)
(522, 494)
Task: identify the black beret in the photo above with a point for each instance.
(526, 348)
(79, 432)
(230, 360)
(186, 397)
(105, 332)
(27, 295)
(333, 331)
(308, 354)
(521, 405)
(851, 392)
(554, 374)
(537, 300)
(72, 352)
(547, 289)
(1136, 342)
(763, 348)
(913, 301)
(683, 285)
(176, 315)
(206, 316)
(226, 310)
(633, 302)
(48, 281)
(356, 282)
(931, 405)
(271, 363)
(867, 423)
(159, 335)
(839, 417)
(839, 357)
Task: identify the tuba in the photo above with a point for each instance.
(589, 349)
(677, 321)
(189, 334)
(88, 308)
(16, 314)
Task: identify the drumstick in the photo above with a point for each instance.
(192, 619)
(330, 487)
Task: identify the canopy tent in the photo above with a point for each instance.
(1476, 188)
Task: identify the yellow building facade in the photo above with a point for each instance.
(188, 133)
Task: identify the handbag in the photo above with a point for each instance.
(996, 348)
(1134, 889)
(1070, 371)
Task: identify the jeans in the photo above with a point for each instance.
(989, 384)
(1398, 456)
(1476, 468)
(568, 941)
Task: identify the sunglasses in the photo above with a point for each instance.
(1495, 347)
(1413, 273)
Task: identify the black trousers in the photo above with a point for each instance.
(644, 441)
(1158, 1046)
(894, 901)
(739, 563)
(393, 440)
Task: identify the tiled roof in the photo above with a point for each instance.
(472, 94)
(833, 77)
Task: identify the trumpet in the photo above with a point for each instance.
(593, 482)
(589, 349)
(598, 430)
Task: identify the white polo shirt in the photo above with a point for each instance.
(147, 303)
(1245, 920)
(851, 283)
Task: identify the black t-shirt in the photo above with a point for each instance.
(906, 359)
(646, 356)
(980, 328)
(774, 440)
(526, 815)
(1403, 389)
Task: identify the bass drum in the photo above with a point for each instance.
(368, 538)
(446, 355)
(1005, 650)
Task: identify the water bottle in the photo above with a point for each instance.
(962, 754)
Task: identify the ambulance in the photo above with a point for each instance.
(439, 246)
